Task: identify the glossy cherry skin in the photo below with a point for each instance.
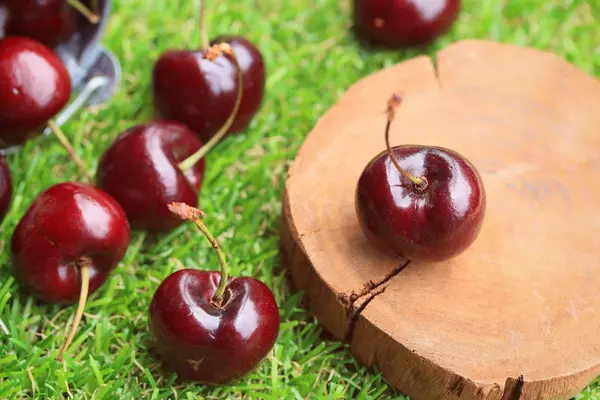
(432, 224)
(404, 23)
(209, 344)
(47, 21)
(6, 188)
(35, 86)
(202, 93)
(140, 170)
(66, 222)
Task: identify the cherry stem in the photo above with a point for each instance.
(186, 212)
(92, 16)
(67, 145)
(211, 54)
(203, 37)
(84, 264)
(393, 104)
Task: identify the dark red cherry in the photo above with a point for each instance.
(47, 21)
(404, 23)
(208, 327)
(434, 223)
(207, 343)
(422, 203)
(140, 170)
(35, 86)
(202, 93)
(5, 188)
(68, 222)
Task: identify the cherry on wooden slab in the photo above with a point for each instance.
(523, 299)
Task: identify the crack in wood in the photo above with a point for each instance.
(371, 289)
(457, 386)
(518, 388)
(348, 300)
(354, 312)
(513, 391)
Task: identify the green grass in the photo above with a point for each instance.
(311, 58)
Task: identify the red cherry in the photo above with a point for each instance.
(67, 222)
(150, 166)
(208, 327)
(202, 94)
(47, 21)
(5, 188)
(253, 73)
(207, 343)
(67, 243)
(35, 87)
(424, 203)
(141, 171)
(403, 23)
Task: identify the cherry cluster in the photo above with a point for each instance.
(209, 327)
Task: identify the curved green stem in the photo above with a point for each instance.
(211, 54)
(186, 212)
(92, 16)
(67, 145)
(84, 266)
(203, 37)
(393, 103)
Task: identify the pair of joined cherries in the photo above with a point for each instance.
(151, 165)
(36, 77)
(74, 234)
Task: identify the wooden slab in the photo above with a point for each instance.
(524, 300)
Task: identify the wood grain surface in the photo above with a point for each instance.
(524, 300)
